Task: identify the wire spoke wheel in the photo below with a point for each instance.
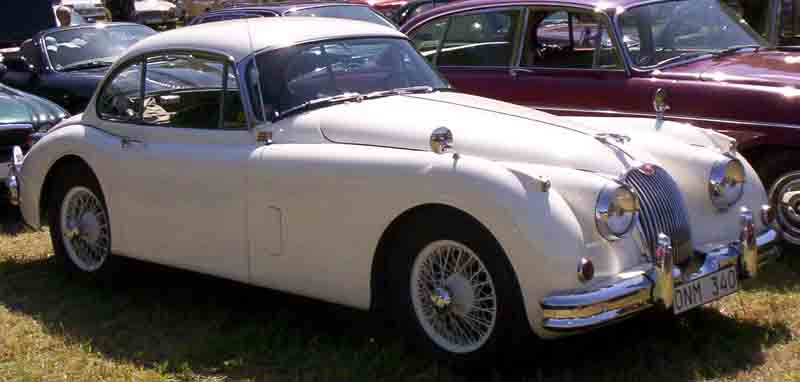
(454, 296)
(784, 196)
(84, 229)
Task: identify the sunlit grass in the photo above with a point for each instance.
(159, 324)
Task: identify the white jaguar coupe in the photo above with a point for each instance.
(326, 158)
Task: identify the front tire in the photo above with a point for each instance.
(79, 226)
(780, 177)
(454, 292)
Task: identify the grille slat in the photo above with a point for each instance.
(662, 211)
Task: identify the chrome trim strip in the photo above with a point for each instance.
(16, 126)
(668, 117)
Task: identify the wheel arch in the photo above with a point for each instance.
(379, 270)
(55, 168)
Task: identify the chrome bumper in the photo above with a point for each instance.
(652, 285)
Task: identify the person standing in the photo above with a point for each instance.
(63, 16)
(122, 10)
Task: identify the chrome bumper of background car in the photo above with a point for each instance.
(12, 181)
(635, 290)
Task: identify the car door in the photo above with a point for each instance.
(474, 50)
(569, 62)
(182, 158)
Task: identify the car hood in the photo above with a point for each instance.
(481, 127)
(24, 108)
(153, 5)
(766, 68)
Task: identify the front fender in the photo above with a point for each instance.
(688, 153)
(70, 139)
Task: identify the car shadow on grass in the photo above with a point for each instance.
(181, 322)
(10, 218)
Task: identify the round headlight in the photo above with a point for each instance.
(616, 212)
(726, 183)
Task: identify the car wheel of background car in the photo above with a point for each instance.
(454, 291)
(785, 195)
(782, 183)
(79, 224)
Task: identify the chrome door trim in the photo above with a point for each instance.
(669, 117)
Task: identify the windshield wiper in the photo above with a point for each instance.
(400, 91)
(320, 102)
(87, 65)
(681, 57)
(734, 49)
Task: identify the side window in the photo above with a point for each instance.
(480, 39)
(192, 92)
(427, 38)
(120, 98)
(570, 40)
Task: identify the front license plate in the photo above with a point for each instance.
(705, 289)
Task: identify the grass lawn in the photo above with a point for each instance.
(160, 324)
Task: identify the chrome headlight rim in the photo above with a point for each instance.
(606, 205)
(720, 176)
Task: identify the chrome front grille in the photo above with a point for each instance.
(662, 210)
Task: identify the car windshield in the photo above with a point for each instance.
(351, 12)
(655, 34)
(81, 48)
(321, 73)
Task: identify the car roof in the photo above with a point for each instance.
(239, 38)
(463, 5)
(285, 6)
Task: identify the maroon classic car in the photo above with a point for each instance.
(589, 58)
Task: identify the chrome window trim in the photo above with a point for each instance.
(610, 27)
(515, 43)
(225, 58)
(15, 126)
(516, 64)
(669, 117)
(241, 67)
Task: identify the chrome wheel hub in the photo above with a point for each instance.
(84, 228)
(454, 296)
(784, 196)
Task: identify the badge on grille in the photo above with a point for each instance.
(647, 169)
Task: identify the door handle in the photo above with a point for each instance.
(516, 71)
(126, 142)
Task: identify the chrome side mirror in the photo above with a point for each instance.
(441, 140)
(660, 103)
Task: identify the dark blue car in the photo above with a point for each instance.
(65, 65)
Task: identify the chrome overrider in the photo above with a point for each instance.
(653, 284)
(12, 181)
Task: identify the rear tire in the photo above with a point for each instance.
(79, 226)
(454, 292)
